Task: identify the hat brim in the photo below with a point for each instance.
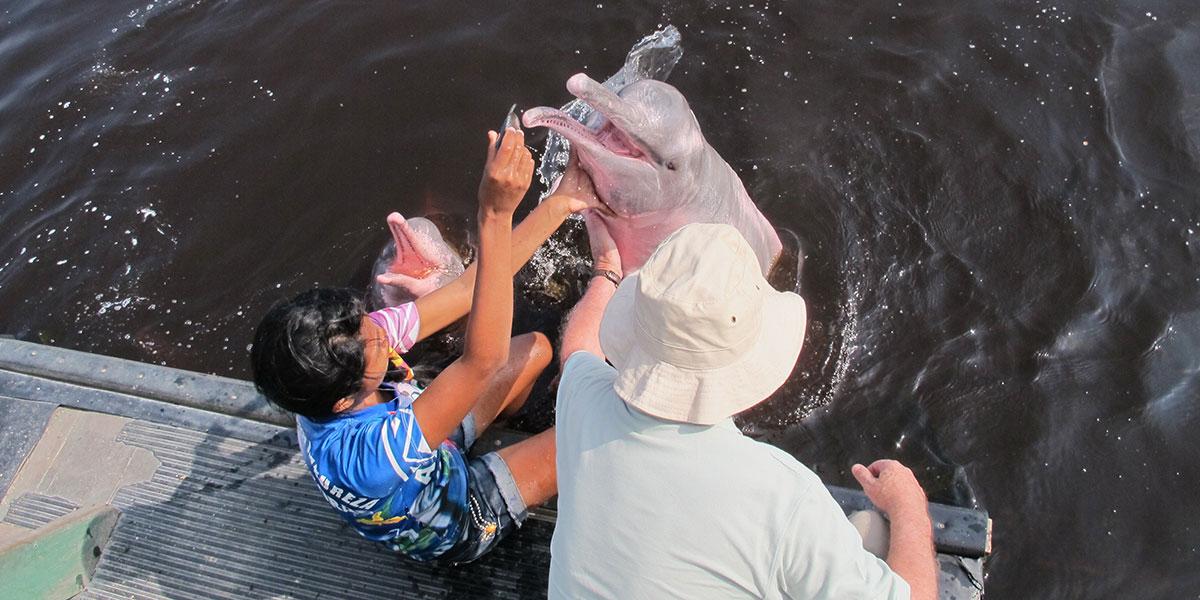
(703, 396)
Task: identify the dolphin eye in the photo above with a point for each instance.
(671, 165)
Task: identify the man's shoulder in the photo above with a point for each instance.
(582, 363)
(586, 399)
(584, 374)
(776, 464)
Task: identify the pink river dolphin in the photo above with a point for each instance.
(651, 165)
(417, 261)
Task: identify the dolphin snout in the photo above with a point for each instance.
(416, 262)
(624, 115)
(420, 249)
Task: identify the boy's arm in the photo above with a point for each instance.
(452, 393)
(582, 331)
(449, 303)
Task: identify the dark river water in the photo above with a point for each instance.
(1000, 203)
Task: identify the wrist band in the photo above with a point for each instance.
(609, 275)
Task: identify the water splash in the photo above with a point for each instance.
(653, 57)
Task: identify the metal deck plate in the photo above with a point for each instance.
(33, 510)
(21, 425)
(225, 518)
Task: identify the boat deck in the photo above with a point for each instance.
(214, 500)
(207, 515)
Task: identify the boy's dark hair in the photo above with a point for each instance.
(307, 353)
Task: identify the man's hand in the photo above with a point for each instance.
(576, 186)
(892, 487)
(506, 175)
(604, 249)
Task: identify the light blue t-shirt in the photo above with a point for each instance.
(649, 508)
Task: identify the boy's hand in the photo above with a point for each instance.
(892, 487)
(604, 249)
(507, 173)
(576, 186)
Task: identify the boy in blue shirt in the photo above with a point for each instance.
(389, 456)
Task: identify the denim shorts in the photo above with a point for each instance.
(494, 505)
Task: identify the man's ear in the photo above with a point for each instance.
(343, 405)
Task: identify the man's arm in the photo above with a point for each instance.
(449, 303)
(452, 393)
(582, 331)
(894, 490)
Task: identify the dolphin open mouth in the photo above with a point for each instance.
(415, 253)
(603, 135)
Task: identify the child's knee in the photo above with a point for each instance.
(541, 352)
(535, 349)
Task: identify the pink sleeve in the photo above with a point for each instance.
(401, 324)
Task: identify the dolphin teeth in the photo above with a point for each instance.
(608, 136)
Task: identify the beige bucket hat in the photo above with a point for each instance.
(697, 334)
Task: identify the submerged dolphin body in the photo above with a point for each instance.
(417, 261)
(651, 165)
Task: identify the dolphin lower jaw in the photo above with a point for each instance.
(624, 198)
(638, 235)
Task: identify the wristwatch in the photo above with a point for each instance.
(609, 275)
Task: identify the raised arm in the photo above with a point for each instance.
(449, 303)
(582, 331)
(894, 490)
(452, 393)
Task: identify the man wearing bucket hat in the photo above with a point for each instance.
(660, 495)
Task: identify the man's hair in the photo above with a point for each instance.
(307, 353)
